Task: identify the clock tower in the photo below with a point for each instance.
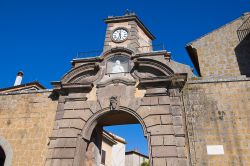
(128, 83)
(129, 32)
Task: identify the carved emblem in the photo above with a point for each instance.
(221, 114)
(114, 105)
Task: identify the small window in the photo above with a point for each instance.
(118, 64)
(103, 157)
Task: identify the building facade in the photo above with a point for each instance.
(134, 158)
(187, 120)
(217, 104)
(113, 150)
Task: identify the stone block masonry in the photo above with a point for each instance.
(26, 122)
(221, 53)
(218, 113)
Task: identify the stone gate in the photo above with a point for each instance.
(128, 83)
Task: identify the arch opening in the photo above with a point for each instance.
(2, 156)
(117, 118)
(108, 147)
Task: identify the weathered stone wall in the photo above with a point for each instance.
(218, 113)
(221, 53)
(26, 122)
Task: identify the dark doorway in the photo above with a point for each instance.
(2, 156)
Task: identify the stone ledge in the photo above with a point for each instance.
(26, 92)
(218, 79)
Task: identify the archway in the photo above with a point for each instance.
(112, 117)
(6, 152)
(94, 133)
(2, 156)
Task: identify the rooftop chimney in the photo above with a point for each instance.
(18, 78)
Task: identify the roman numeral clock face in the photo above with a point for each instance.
(119, 35)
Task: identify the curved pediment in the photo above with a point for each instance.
(117, 50)
(145, 67)
(82, 74)
(136, 67)
(89, 71)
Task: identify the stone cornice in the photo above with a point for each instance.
(116, 81)
(130, 18)
(154, 53)
(86, 60)
(116, 50)
(26, 92)
(204, 80)
(59, 85)
(174, 81)
(77, 85)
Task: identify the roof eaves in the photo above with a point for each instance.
(194, 57)
(135, 152)
(23, 85)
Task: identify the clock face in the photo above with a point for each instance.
(120, 35)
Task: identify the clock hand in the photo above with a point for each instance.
(120, 35)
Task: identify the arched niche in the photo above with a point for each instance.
(118, 63)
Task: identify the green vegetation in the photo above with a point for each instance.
(145, 163)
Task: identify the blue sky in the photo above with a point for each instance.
(40, 37)
(133, 135)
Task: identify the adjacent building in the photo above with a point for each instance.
(113, 150)
(224, 51)
(217, 104)
(134, 158)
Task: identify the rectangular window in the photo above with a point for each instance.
(103, 157)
